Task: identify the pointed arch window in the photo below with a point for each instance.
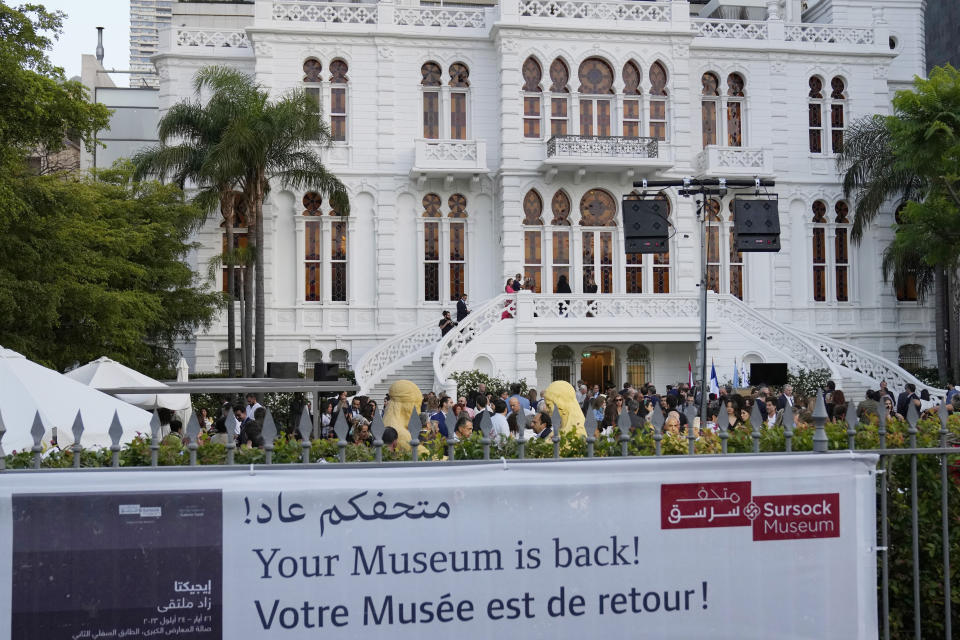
(560, 239)
(735, 110)
(709, 107)
(459, 94)
(632, 100)
(444, 247)
(658, 101)
(560, 100)
(313, 251)
(311, 358)
(841, 248)
(338, 258)
(724, 262)
(722, 114)
(561, 363)
(430, 82)
(321, 231)
(532, 74)
(338, 100)
(820, 251)
(533, 239)
(596, 101)
(313, 84)
(827, 108)
(597, 209)
(906, 290)
(638, 365)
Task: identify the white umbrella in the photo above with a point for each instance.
(104, 373)
(27, 387)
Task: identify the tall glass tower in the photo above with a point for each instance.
(146, 18)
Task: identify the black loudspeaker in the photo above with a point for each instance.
(326, 372)
(773, 373)
(283, 370)
(645, 225)
(756, 224)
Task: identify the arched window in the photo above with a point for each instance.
(638, 365)
(431, 247)
(841, 248)
(735, 115)
(838, 99)
(312, 70)
(724, 262)
(831, 260)
(658, 101)
(533, 239)
(820, 251)
(910, 356)
(239, 242)
(457, 226)
(560, 101)
(560, 238)
(430, 82)
(459, 87)
(532, 74)
(223, 359)
(907, 290)
(561, 364)
(313, 79)
(597, 209)
(631, 100)
(709, 107)
(313, 254)
(311, 357)
(821, 107)
(596, 87)
(338, 257)
(338, 100)
(341, 358)
(653, 274)
(444, 247)
(722, 115)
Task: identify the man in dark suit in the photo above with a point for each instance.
(542, 425)
(785, 398)
(462, 311)
(905, 398)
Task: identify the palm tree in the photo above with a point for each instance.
(873, 176)
(194, 130)
(270, 140)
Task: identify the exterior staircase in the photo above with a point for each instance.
(419, 371)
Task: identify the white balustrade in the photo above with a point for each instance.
(829, 34)
(329, 12)
(730, 29)
(449, 156)
(456, 17)
(212, 38)
(503, 307)
(734, 161)
(386, 357)
(601, 10)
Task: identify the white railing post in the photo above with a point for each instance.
(385, 12)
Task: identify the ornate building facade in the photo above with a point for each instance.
(479, 141)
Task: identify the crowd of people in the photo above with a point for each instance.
(678, 405)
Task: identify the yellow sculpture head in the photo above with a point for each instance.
(560, 394)
(405, 397)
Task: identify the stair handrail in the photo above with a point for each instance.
(835, 353)
(869, 365)
(383, 358)
(479, 321)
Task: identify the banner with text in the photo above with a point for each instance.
(759, 547)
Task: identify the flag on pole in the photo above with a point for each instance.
(714, 385)
(736, 375)
(744, 376)
(689, 373)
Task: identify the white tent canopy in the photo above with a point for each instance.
(104, 373)
(27, 387)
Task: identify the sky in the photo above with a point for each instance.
(80, 34)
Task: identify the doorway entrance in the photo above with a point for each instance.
(597, 367)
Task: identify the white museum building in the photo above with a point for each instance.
(481, 139)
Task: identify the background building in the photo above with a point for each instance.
(147, 17)
(942, 25)
(483, 140)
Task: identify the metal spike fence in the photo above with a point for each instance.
(892, 495)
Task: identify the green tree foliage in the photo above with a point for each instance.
(98, 268)
(38, 106)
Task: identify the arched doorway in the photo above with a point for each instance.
(597, 366)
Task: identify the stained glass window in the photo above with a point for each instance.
(459, 75)
(841, 252)
(532, 208)
(458, 259)
(598, 209)
(837, 119)
(709, 105)
(815, 115)
(631, 79)
(430, 74)
(819, 251)
(596, 76)
(560, 206)
(559, 105)
(532, 258)
(712, 208)
(561, 257)
(338, 100)
(658, 101)
(735, 110)
(311, 70)
(338, 261)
